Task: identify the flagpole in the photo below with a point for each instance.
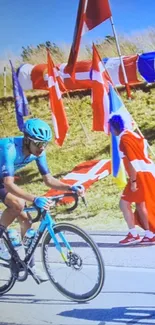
(4, 81)
(75, 111)
(143, 136)
(121, 60)
(61, 84)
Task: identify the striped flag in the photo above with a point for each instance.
(117, 107)
(90, 14)
(99, 93)
(59, 118)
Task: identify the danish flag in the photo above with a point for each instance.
(85, 174)
(90, 14)
(55, 100)
(99, 93)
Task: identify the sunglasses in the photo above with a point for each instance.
(39, 144)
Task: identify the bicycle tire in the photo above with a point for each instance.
(7, 287)
(91, 294)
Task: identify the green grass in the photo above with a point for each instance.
(103, 196)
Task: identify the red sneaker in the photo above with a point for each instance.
(147, 240)
(130, 239)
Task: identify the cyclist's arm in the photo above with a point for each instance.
(7, 172)
(48, 179)
(51, 181)
(14, 189)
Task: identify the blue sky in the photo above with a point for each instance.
(29, 22)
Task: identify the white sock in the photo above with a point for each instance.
(149, 234)
(133, 231)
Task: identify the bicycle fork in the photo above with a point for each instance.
(56, 242)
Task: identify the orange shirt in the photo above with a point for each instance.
(134, 147)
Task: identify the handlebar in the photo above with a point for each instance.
(56, 199)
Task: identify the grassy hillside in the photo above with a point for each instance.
(81, 143)
(103, 196)
(138, 42)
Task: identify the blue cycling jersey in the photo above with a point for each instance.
(12, 157)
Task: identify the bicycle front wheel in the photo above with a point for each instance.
(78, 270)
(7, 277)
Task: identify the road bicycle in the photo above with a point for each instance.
(71, 258)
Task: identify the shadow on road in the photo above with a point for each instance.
(13, 324)
(129, 292)
(27, 299)
(103, 245)
(117, 315)
(117, 245)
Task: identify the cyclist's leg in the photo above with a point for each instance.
(8, 215)
(14, 209)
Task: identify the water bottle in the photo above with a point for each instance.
(27, 240)
(16, 242)
(15, 238)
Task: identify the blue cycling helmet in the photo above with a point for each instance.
(37, 130)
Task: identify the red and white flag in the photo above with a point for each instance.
(59, 118)
(99, 93)
(90, 14)
(85, 174)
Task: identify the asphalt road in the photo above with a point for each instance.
(128, 296)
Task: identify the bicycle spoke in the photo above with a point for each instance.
(82, 275)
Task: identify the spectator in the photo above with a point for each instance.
(141, 183)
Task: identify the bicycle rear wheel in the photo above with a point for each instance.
(81, 277)
(7, 278)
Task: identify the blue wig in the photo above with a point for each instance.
(117, 123)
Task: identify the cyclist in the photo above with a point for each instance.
(15, 153)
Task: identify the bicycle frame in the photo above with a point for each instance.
(46, 223)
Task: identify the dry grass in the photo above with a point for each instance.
(138, 42)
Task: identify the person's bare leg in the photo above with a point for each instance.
(24, 222)
(132, 236)
(125, 207)
(14, 210)
(143, 215)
